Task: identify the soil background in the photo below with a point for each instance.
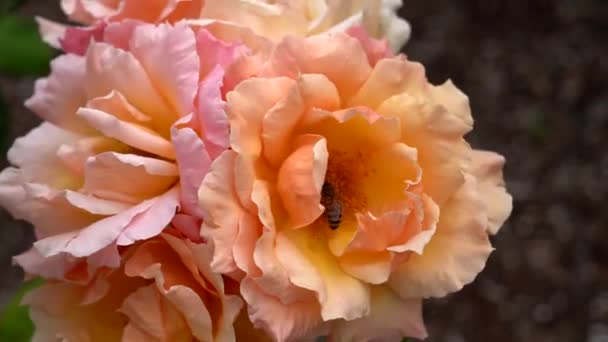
(536, 73)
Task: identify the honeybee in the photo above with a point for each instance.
(333, 207)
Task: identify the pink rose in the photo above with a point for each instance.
(164, 291)
(349, 193)
(131, 129)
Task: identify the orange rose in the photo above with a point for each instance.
(349, 193)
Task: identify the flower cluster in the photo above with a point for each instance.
(245, 170)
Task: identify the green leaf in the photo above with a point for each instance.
(15, 323)
(23, 52)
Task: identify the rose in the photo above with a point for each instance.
(164, 291)
(270, 19)
(416, 202)
(131, 128)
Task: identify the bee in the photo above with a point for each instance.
(333, 207)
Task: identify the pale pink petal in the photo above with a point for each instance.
(36, 155)
(140, 222)
(118, 34)
(55, 267)
(131, 134)
(168, 54)
(127, 178)
(283, 322)
(487, 168)
(211, 113)
(193, 161)
(109, 68)
(214, 52)
(51, 32)
(56, 212)
(300, 179)
(374, 48)
(58, 97)
(455, 255)
(391, 319)
(188, 225)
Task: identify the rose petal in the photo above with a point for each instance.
(391, 318)
(301, 178)
(487, 168)
(455, 255)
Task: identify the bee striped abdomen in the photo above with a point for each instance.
(333, 207)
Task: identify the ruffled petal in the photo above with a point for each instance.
(455, 255)
(487, 168)
(391, 319)
(301, 178)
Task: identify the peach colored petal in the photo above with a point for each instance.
(247, 106)
(311, 265)
(391, 318)
(371, 268)
(142, 221)
(347, 66)
(152, 317)
(266, 19)
(455, 255)
(131, 134)
(487, 168)
(127, 177)
(283, 322)
(58, 97)
(219, 201)
(57, 314)
(177, 81)
(116, 104)
(300, 180)
(277, 126)
(193, 161)
(109, 68)
(438, 137)
(454, 100)
(390, 77)
(274, 278)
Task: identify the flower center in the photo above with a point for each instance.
(342, 189)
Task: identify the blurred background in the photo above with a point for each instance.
(536, 72)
